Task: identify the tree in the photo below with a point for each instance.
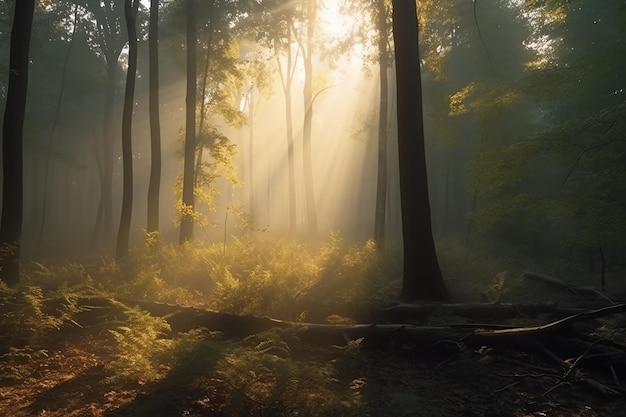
(422, 275)
(279, 26)
(108, 35)
(186, 224)
(130, 13)
(306, 47)
(383, 66)
(376, 19)
(560, 176)
(49, 163)
(155, 124)
(12, 140)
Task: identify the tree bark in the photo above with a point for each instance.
(155, 123)
(123, 234)
(422, 276)
(12, 143)
(186, 224)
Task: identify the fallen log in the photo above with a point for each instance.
(182, 318)
(523, 336)
(578, 290)
(497, 311)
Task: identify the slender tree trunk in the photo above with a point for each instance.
(291, 166)
(107, 147)
(12, 140)
(51, 142)
(307, 53)
(155, 123)
(111, 40)
(381, 185)
(251, 157)
(105, 206)
(286, 79)
(186, 224)
(199, 140)
(422, 275)
(446, 201)
(123, 234)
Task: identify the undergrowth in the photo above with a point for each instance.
(334, 282)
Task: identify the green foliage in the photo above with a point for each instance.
(18, 363)
(559, 174)
(271, 381)
(23, 316)
(142, 347)
(476, 270)
(359, 278)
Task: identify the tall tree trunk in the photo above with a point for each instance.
(104, 218)
(381, 185)
(111, 39)
(291, 165)
(307, 53)
(123, 234)
(155, 123)
(12, 140)
(205, 77)
(422, 275)
(45, 213)
(286, 82)
(186, 223)
(251, 157)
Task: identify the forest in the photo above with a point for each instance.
(313, 208)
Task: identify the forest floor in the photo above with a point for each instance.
(72, 380)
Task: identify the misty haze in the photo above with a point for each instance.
(312, 208)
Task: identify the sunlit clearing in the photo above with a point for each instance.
(338, 156)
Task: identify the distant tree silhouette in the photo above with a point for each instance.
(155, 124)
(130, 13)
(12, 139)
(186, 223)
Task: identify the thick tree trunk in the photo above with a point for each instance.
(123, 234)
(155, 124)
(422, 276)
(12, 140)
(186, 224)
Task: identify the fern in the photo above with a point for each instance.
(142, 348)
(19, 363)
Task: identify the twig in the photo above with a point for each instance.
(578, 359)
(505, 387)
(559, 384)
(614, 375)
